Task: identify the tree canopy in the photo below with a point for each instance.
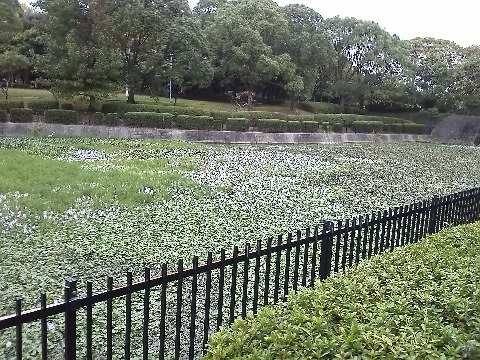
(271, 53)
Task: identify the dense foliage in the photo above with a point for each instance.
(420, 301)
(243, 51)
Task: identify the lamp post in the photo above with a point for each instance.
(128, 52)
(171, 69)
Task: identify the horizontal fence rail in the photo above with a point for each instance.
(173, 314)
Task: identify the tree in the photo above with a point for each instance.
(305, 28)
(243, 37)
(11, 63)
(467, 80)
(10, 21)
(434, 62)
(361, 48)
(205, 11)
(76, 61)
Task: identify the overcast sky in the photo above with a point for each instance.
(451, 20)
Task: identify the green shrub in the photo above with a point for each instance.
(177, 110)
(272, 125)
(237, 124)
(301, 118)
(295, 126)
(412, 128)
(337, 127)
(11, 104)
(367, 126)
(66, 106)
(40, 106)
(420, 301)
(320, 107)
(59, 116)
(148, 119)
(310, 126)
(189, 122)
(21, 115)
(326, 126)
(393, 128)
(96, 118)
(3, 115)
(111, 119)
(118, 107)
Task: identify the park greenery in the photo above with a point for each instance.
(242, 50)
(421, 302)
(90, 207)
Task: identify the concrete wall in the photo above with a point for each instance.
(214, 137)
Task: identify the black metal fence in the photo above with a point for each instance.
(173, 314)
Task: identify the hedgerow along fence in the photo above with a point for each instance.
(173, 314)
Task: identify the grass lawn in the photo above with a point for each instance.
(82, 104)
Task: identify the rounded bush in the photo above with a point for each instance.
(310, 126)
(367, 126)
(21, 115)
(237, 124)
(3, 115)
(40, 106)
(59, 116)
(294, 126)
(148, 119)
(11, 104)
(272, 125)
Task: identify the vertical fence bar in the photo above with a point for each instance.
(326, 250)
(256, 283)
(233, 288)
(287, 267)
(221, 285)
(89, 320)
(163, 312)
(408, 222)
(18, 328)
(305, 257)
(433, 215)
(146, 313)
(378, 225)
(193, 308)
(345, 243)
(276, 289)
(365, 236)
(70, 319)
(371, 232)
(352, 242)
(109, 318)
(128, 316)
(314, 256)
(337, 247)
(296, 265)
(396, 224)
(391, 226)
(43, 324)
(266, 290)
(359, 239)
(178, 315)
(208, 290)
(246, 264)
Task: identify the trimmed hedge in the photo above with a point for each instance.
(21, 115)
(188, 122)
(3, 115)
(66, 106)
(40, 106)
(310, 126)
(420, 301)
(112, 119)
(272, 125)
(237, 124)
(414, 128)
(11, 104)
(59, 116)
(96, 118)
(328, 108)
(148, 119)
(294, 126)
(367, 126)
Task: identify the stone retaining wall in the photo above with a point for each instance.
(213, 137)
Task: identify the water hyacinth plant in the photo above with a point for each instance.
(91, 207)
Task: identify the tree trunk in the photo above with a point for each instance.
(91, 103)
(131, 96)
(293, 103)
(250, 100)
(342, 100)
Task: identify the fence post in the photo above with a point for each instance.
(70, 320)
(326, 250)
(433, 216)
